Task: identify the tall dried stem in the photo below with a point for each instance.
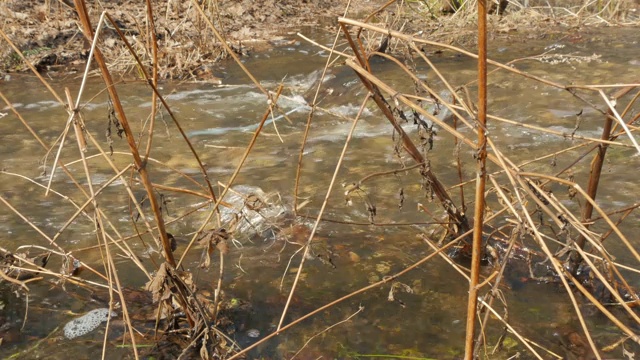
(141, 166)
(481, 174)
(594, 178)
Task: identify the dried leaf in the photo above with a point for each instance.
(159, 285)
(212, 239)
(204, 351)
(206, 261)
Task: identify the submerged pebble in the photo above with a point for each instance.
(86, 323)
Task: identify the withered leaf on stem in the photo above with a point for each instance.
(371, 209)
(112, 119)
(212, 239)
(159, 285)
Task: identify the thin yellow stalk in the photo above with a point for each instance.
(322, 208)
(314, 104)
(577, 187)
(524, 341)
(151, 29)
(100, 231)
(617, 117)
(558, 268)
(375, 85)
(31, 67)
(481, 176)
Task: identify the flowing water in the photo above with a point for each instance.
(429, 321)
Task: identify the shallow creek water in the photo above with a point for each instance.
(220, 120)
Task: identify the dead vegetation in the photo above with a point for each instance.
(517, 216)
(49, 36)
(47, 33)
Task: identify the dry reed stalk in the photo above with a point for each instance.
(375, 224)
(132, 197)
(31, 67)
(156, 94)
(21, 284)
(516, 232)
(437, 96)
(153, 40)
(360, 309)
(523, 340)
(457, 145)
(140, 166)
(228, 49)
(374, 86)
(110, 268)
(481, 176)
(611, 107)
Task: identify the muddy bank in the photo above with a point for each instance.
(48, 33)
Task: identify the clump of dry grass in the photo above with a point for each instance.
(533, 18)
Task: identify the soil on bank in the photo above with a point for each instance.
(48, 32)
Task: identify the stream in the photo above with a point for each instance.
(426, 322)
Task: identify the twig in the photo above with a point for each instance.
(360, 309)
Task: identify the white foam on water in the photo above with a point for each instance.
(87, 323)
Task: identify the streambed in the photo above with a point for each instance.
(219, 120)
